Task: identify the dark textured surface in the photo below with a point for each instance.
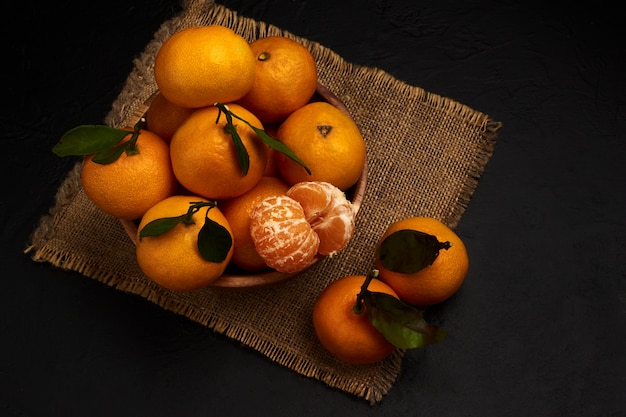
(538, 327)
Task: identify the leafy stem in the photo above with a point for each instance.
(103, 141)
(408, 251)
(242, 154)
(130, 147)
(401, 324)
(160, 226)
(214, 240)
(357, 308)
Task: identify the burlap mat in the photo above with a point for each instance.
(425, 155)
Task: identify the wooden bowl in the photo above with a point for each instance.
(232, 277)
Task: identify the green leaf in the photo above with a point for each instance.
(159, 226)
(408, 251)
(242, 154)
(279, 146)
(87, 139)
(214, 241)
(265, 137)
(111, 155)
(401, 324)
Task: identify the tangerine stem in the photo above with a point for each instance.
(242, 153)
(194, 207)
(358, 305)
(269, 140)
(131, 147)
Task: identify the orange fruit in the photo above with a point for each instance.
(129, 186)
(163, 117)
(281, 234)
(436, 282)
(349, 336)
(172, 259)
(204, 157)
(271, 169)
(201, 65)
(327, 140)
(237, 212)
(329, 213)
(285, 78)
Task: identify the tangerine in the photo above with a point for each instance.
(328, 211)
(204, 156)
(129, 186)
(285, 78)
(271, 169)
(436, 282)
(163, 117)
(327, 140)
(173, 259)
(346, 334)
(281, 234)
(200, 65)
(237, 212)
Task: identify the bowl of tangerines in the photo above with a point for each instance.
(241, 170)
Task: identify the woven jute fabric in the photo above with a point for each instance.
(425, 156)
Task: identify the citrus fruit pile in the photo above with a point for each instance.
(236, 163)
(362, 319)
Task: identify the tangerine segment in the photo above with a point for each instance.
(237, 211)
(328, 211)
(349, 336)
(281, 234)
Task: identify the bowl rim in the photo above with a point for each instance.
(243, 280)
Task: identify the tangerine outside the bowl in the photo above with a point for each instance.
(241, 279)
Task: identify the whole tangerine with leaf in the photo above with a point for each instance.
(327, 140)
(200, 65)
(222, 151)
(184, 243)
(422, 259)
(218, 157)
(285, 78)
(360, 320)
(124, 171)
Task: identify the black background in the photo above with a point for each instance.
(538, 327)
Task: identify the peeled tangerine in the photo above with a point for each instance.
(328, 211)
(281, 234)
(313, 218)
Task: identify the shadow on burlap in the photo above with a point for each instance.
(439, 150)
